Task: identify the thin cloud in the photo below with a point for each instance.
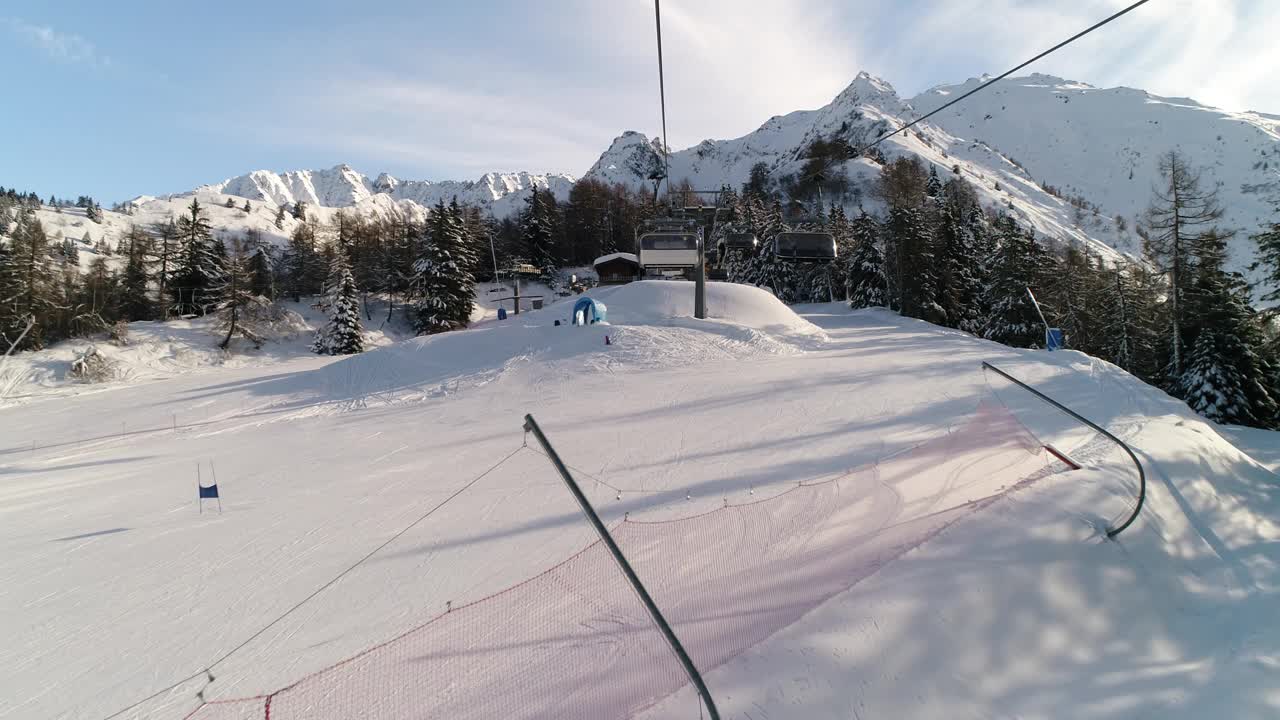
(61, 46)
(730, 65)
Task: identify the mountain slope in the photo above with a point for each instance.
(1096, 148)
(867, 108)
(1104, 144)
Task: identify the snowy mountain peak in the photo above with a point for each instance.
(867, 89)
(345, 187)
(630, 159)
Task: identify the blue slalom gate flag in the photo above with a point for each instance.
(210, 492)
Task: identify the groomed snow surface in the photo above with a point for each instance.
(958, 571)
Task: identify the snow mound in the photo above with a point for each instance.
(655, 330)
(655, 302)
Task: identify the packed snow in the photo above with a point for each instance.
(1018, 609)
(154, 350)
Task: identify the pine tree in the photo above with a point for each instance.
(934, 185)
(1227, 356)
(1208, 383)
(1179, 212)
(342, 333)
(960, 277)
(135, 300)
(446, 286)
(200, 263)
(1069, 299)
(765, 269)
(231, 202)
(917, 268)
(71, 252)
(865, 265)
(537, 231)
(280, 217)
(837, 275)
(247, 207)
(1268, 256)
(300, 211)
(1019, 264)
(261, 264)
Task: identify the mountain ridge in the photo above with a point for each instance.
(1074, 161)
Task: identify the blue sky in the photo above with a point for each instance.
(124, 98)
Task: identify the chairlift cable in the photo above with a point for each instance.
(662, 99)
(1003, 75)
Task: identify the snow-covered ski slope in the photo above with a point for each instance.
(115, 586)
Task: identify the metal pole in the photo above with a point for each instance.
(700, 281)
(494, 254)
(1142, 475)
(1039, 312)
(531, 425)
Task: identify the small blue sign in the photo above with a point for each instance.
(502, 313)
(1054, 339)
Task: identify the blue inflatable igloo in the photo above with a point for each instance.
(589, 312)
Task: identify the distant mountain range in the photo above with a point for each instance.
(1096, 148)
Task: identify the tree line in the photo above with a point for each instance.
(424, 268)
(1177, 318)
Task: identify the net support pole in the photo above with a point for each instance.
(700, 282)
(1142, 475)
(531, 425)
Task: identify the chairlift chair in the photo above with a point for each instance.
(741, 241)
(795, 246)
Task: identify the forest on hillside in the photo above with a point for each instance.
(1176, 318)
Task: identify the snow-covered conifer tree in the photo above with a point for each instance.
(865, 266)
(343, 333)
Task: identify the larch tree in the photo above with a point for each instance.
(34, 284)
(136, 302)
(237, 306)
(167, 249)
(1181, 210)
